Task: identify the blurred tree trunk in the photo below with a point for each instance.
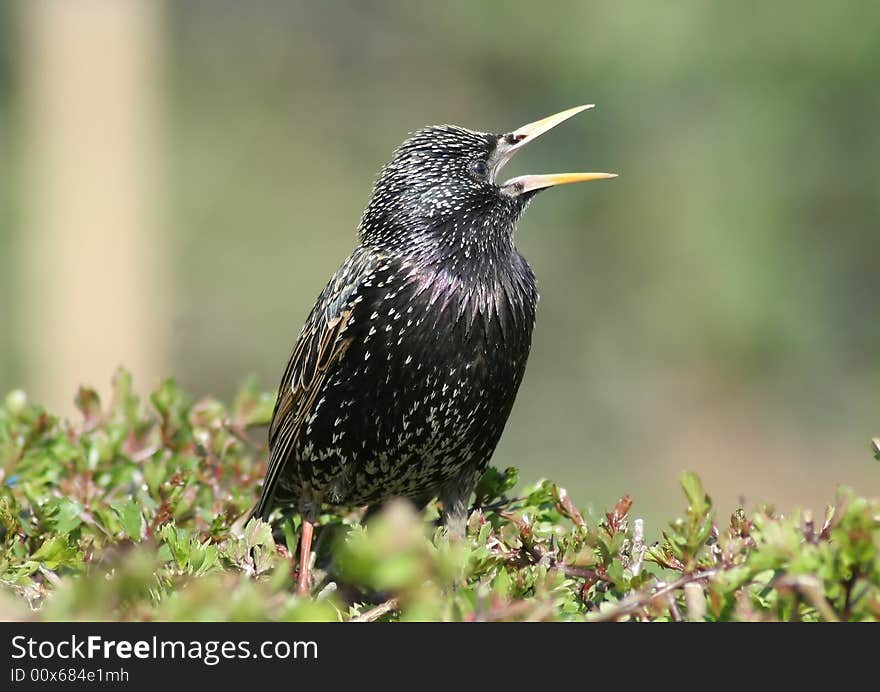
(94, 268)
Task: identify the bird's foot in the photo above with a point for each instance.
(303, 587)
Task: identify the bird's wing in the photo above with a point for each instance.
(321, 346)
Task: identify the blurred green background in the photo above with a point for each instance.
(715, 308)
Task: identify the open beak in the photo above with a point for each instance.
(516, 140)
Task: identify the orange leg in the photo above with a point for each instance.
(305, 557)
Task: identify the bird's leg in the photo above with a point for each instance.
(456, 521)
(305, 557)
(455, 496)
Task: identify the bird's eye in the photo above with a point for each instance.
(479, 169)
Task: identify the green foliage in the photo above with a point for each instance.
(138, 512)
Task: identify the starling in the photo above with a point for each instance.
(408, 365)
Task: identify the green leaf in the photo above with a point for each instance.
(131, 518)
(55, 551)
(66, 516)
(493, 484)
(693, 490)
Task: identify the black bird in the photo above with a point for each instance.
(406, 370)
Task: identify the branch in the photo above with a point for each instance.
(695, 600)
(637, 552)
(809, 588)
(674, 612)
(640, 599)
(536, 556)
(389, 606)
(500, 504)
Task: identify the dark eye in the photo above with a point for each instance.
(479, 169)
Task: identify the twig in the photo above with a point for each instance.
(501, 504)
(580, 572)
(567, 508)
(637, 552)
(239, 431)
(642, 598)
(536, 557)
(809, 588)
(695, 600)
(372, 614)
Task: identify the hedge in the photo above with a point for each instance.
(135, 511)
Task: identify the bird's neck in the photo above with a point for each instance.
(477, 246)
(474, 243)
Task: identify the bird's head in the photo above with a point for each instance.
(446, 177)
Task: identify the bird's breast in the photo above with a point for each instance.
(427, 382)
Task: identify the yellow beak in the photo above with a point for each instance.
(514, 141)
(527, 133)
(524, 183)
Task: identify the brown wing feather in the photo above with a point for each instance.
(320, 346)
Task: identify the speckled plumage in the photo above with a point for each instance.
(407, 368)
